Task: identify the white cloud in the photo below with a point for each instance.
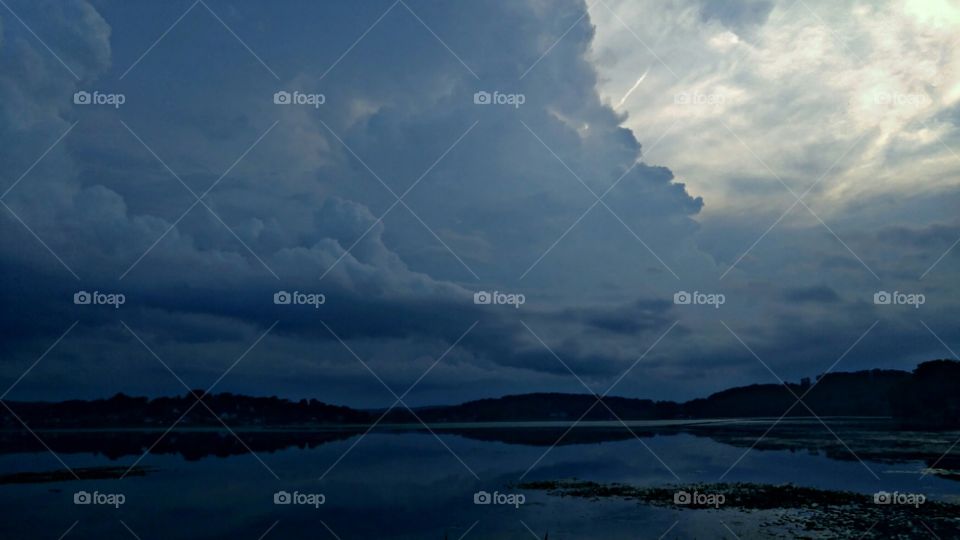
(809, 83)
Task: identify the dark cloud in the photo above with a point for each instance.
(510, 207)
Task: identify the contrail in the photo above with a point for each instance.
(632, 88)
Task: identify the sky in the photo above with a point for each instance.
(668, 198)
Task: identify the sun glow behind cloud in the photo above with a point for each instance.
(810, 81)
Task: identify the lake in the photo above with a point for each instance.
(414, 484)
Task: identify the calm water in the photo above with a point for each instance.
(410, 485)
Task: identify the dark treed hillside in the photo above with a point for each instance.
(931, 397)
(927, 397)
(126, 411)
(861, 393)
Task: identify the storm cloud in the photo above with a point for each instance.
(422, 179)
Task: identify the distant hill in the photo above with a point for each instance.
(125, 411)
(859, 393)
(931, 397)
(928, 397)
(542, 407)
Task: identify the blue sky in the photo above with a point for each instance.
(794, 157)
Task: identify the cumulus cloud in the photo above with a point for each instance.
(557, 198)
(815, 80)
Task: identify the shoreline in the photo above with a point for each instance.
(414, 426)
